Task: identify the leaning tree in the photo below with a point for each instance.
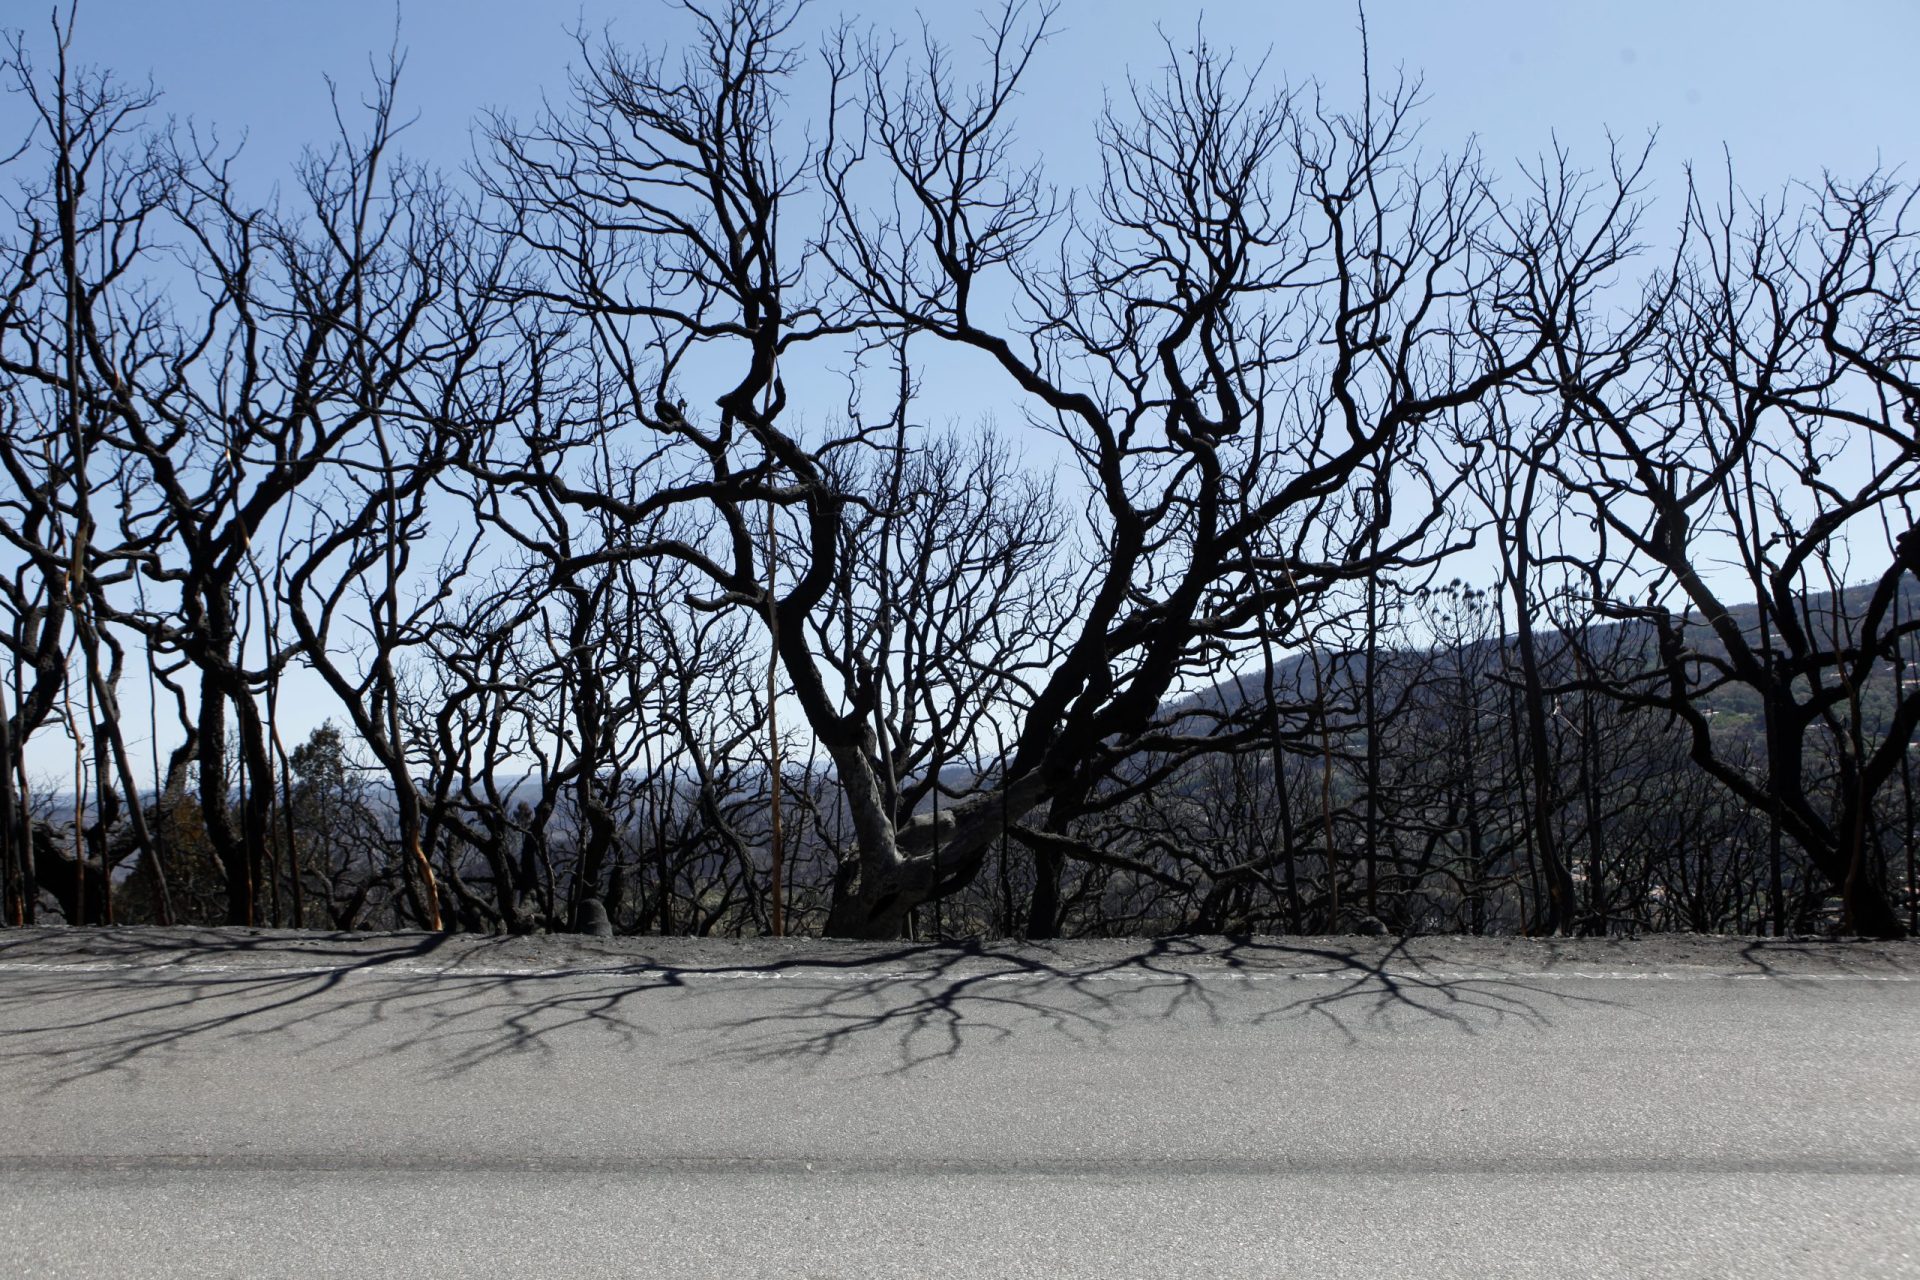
(1237, 344)
(1748, 453)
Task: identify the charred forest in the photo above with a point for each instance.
(754, 495)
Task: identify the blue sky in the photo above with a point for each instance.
(1785, 92)
(1791, 88)
(1789, 91)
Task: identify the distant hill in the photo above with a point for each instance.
(1296, 678)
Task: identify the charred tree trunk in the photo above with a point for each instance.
(81, 903)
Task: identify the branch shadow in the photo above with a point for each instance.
(450, 1008)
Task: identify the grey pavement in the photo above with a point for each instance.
(251, 1104)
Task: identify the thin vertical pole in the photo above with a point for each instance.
(163, 817)
(79, 813)
(777, 916)
(66, 200)
(9, 872)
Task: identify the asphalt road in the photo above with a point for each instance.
(259, 1105)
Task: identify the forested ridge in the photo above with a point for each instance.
(1349, 533)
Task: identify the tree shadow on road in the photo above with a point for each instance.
(966, 1000)
(445, 1008)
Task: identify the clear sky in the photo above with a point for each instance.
(1790, 87)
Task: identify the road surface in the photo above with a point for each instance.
(214, 1103)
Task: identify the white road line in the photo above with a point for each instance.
(668, 976)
